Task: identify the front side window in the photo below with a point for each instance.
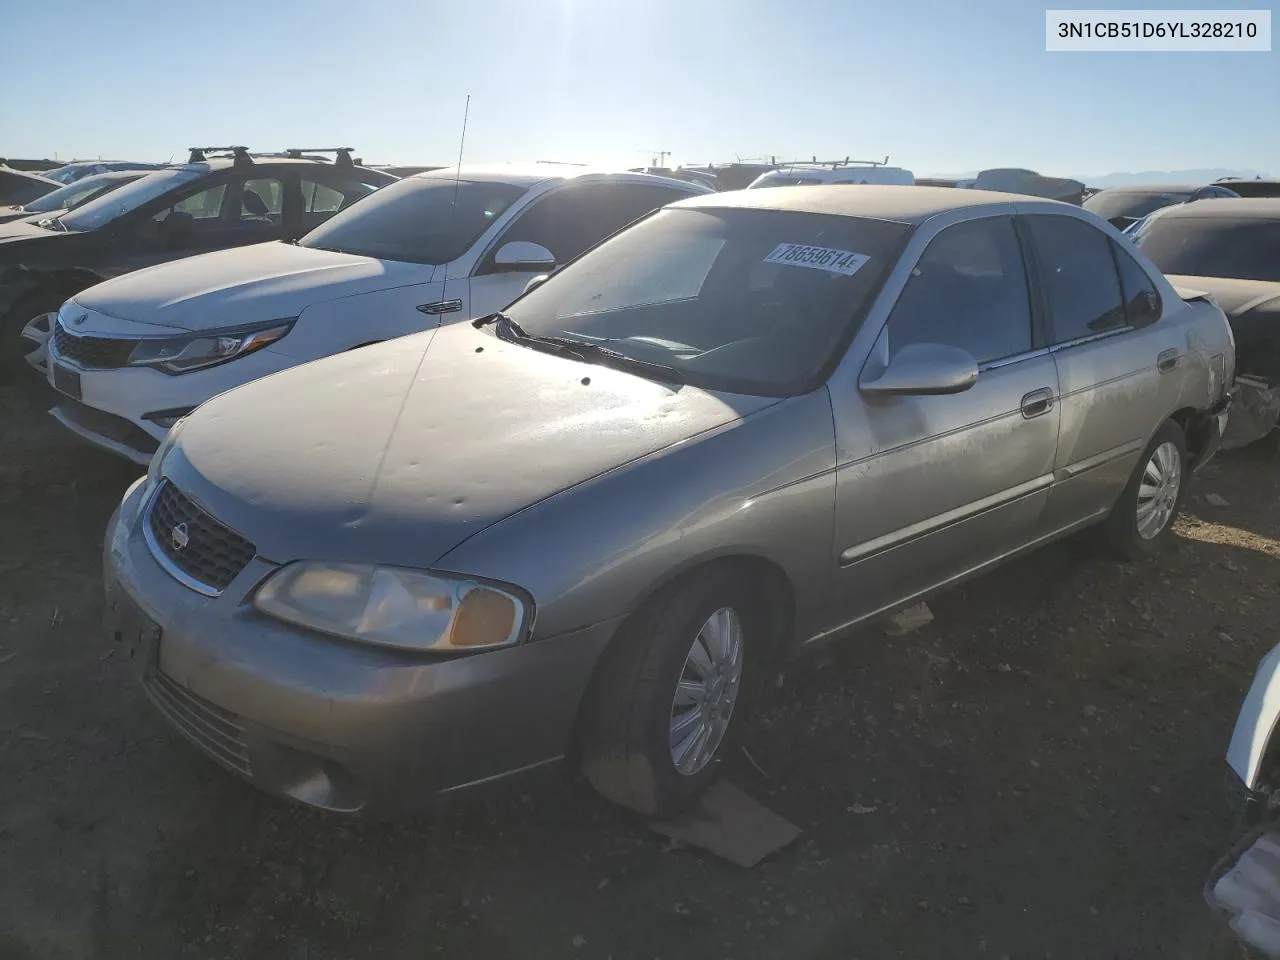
(201, 205)
(1079, 277)
(968, 290)
(262, 200)
(743, 300)
(98, 213)
(1199, 246)
(430, 220)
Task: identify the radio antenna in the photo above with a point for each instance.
(444, 306)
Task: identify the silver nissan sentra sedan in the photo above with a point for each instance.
(591, 526)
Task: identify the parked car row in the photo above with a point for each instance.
(226, 198)
(685, 435)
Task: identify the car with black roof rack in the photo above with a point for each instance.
(221, 197)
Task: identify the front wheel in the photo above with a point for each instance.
(1141, 522)
(24, 338)
(668, 696)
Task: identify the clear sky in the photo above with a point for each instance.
(939, 85)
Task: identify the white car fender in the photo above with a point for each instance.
(1256, 721)
(333, 326)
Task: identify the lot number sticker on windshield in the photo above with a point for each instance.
(819, 258)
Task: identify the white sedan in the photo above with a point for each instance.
(130, 356)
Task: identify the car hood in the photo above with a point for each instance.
(398, 452)
(16, 230)
(266, 281)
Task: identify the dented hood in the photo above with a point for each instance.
(266, 281)
(398, 452)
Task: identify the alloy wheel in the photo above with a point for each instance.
(34, 340)
(706, 692)
(1158, 491)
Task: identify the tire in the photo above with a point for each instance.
(23, 333)
(1135, 529)
(627, 751)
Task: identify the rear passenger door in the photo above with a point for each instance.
(567, 221)
(1113, 358)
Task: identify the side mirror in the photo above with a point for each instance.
(521, 256)
(536, 282)
(925, 369)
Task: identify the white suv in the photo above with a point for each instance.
(132, 355)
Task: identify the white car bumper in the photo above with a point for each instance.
(110, 407)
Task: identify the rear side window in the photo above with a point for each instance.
(968, 290)
(1141, 301)
(1079, 277)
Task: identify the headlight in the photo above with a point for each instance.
(180, 354)
(394, 606)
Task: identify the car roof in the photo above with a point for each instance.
(1155, 189)
(1232, 208)
(217, 164)
(905, 204)
(533, 173)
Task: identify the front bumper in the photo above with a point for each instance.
(330, 723)
(111, 410)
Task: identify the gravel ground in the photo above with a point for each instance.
(1038, 773)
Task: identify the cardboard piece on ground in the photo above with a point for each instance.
(912, 618)
(731, 825)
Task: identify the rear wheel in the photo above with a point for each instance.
(1141, 522)
(670, 694)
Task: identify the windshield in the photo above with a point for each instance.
(429, 220)
(98, 213)
(748, 301)
(1213, 246)
(1110, 204)
(74, 194)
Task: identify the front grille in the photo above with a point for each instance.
(108, 425)
(212, 729)
(188, 538)
(100, 352)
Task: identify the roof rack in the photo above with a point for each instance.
(835, 164)
(341, 159)
(562, 163)
(240, 154)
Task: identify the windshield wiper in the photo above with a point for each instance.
(581, 350)
(52, 223)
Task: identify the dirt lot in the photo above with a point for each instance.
(1037, 774)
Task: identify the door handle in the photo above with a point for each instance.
(1168, 360)
(1037, 403)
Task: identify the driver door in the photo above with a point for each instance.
(929, 488)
